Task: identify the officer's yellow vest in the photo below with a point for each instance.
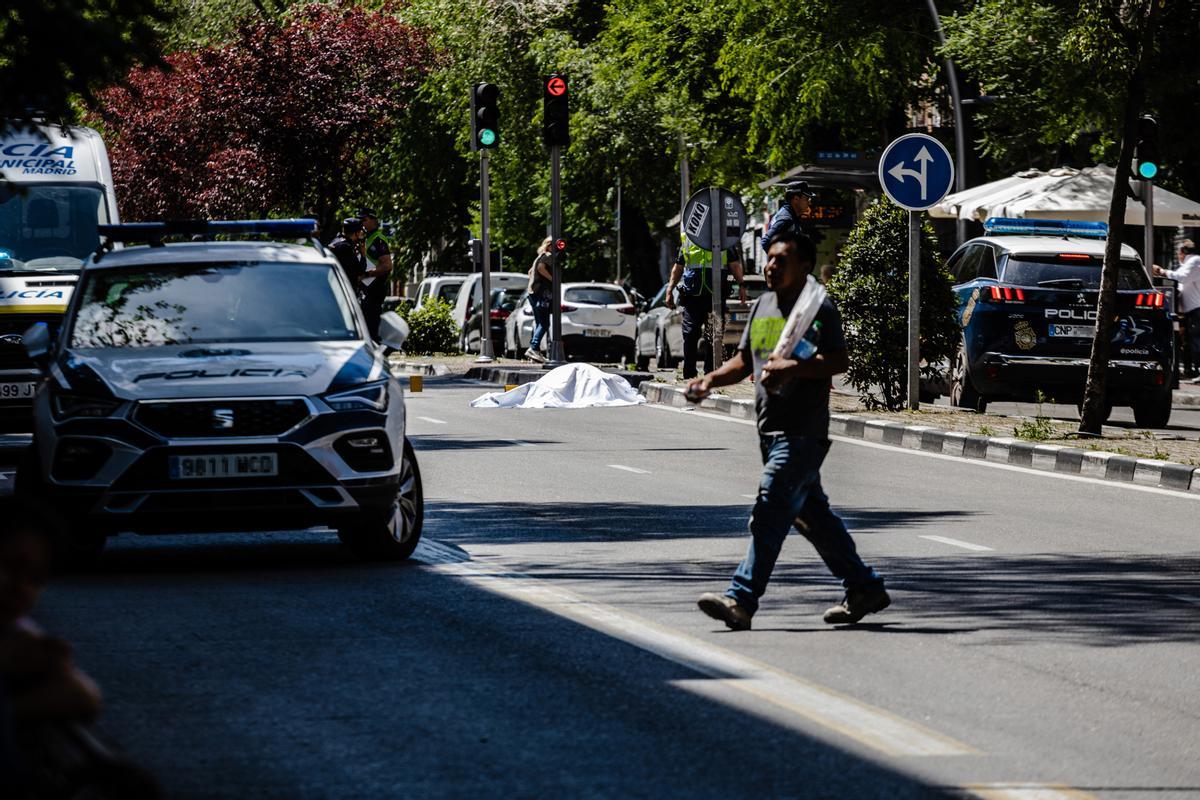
(697, 258)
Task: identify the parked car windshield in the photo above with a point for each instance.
(449, 292)
(595, 295)
(49, 227)
(506, 299)
(1056, 272)
(151, 306)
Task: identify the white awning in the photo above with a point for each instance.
(1063, 193)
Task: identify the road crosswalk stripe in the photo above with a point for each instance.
(731, 676)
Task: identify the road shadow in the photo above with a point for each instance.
(436, 442)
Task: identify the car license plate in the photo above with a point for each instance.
(739, 317)
(596, 332)
(1073, 331)
(223, 465)
(17, 391)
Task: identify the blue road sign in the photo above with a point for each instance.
(916, 171)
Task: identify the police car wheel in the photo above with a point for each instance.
(391, 534)
(1153, 411)
(963, 393)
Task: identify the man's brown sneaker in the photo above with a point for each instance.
(726, 609)
(856, 605)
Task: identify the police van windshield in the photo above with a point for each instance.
(153, 306)
(1067, 271)
(49, 227)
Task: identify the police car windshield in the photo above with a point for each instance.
(1067, 272)
(49, 227)
(153, 306)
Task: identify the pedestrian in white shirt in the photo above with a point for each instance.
(1188, 279)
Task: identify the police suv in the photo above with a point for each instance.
(220, 386)
(1027, 294)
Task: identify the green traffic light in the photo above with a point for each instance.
(487, 136)
(1147, 169)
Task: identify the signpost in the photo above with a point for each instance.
(916, 172)
(714, 220)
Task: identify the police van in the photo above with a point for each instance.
(1027, 293)
(56, 186)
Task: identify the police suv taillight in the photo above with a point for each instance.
(1149, 300)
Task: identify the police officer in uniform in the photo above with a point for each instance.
(692, 274)
(797, 198)
(374, 284)
(348, 250)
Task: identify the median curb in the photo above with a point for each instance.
(998, 449)
(409, 368)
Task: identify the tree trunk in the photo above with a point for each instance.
(1092, 416)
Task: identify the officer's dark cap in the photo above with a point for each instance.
(351, 225)
(797, 187)
(366, 213)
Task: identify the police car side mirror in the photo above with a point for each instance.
(393, 330)
(38, 345)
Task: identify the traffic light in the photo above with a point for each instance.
(485, 116)
(555, 113)
(475, 252)
(560, 246)
(1147, 148)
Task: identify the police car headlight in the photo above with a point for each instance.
(69, 406)
(368, 397)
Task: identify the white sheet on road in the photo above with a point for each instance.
(568, 386)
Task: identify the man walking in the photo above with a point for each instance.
(692, 273)
(797, 198)
(379, 269)
(792, 402)
(1188, 278)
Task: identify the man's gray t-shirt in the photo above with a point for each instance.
(802, 407)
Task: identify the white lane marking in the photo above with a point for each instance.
(520, 443)
(750, 496)
(731, 676)
(634, 470)
(1136, 487)
(1185, 599)
(434, 421)
(957, 543)
(1026, 791)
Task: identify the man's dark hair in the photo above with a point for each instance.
(805, 249)
(351, 226)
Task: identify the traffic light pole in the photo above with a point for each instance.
(485, 281)
(1148, 241)
(557, 354)
(718, 292)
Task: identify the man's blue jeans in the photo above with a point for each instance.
(790, 489)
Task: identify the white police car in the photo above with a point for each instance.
(221, 386)
(1027, 294)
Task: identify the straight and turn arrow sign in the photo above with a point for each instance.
(922, 158)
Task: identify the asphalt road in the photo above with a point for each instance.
(1042, 643)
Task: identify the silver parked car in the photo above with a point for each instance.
(660, 329)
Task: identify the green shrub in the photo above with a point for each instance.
(871, 291)
(431, 329)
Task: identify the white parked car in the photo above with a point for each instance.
(598, 324)
(470, 293)
(440, 286)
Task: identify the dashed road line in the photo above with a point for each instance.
(731, 677)
(634, 470)
(434, 421)
(1025, 791)
(750, 496)
(958, 543)
(520, 443)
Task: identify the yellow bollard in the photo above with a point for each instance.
(414, 383)
(508, 387)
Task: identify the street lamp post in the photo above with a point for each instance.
(960, 137)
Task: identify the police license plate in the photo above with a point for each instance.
(1073, 331)
(17, 391)
(596, 332)
(224, 465)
